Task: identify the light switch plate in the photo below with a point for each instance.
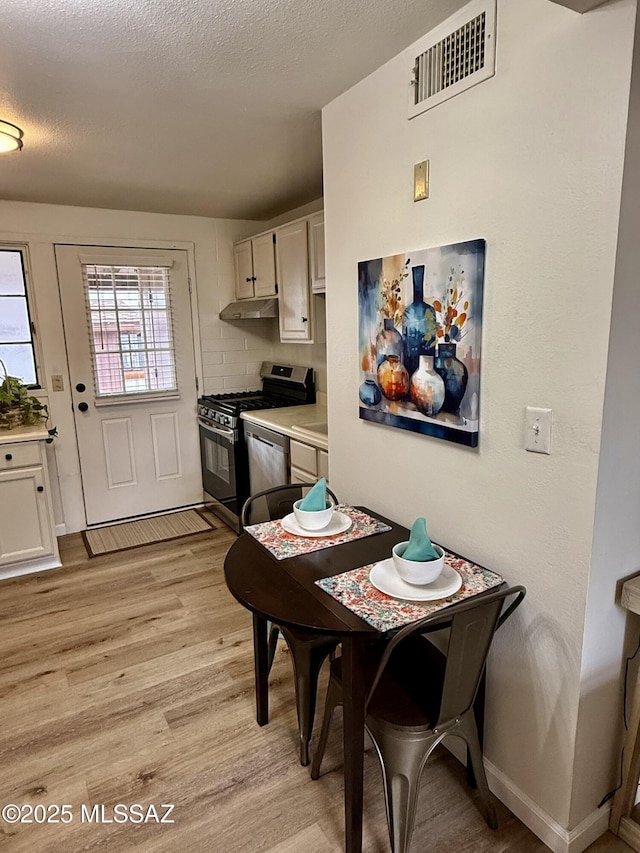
(421, 181)
(57, 382)
(537, 436)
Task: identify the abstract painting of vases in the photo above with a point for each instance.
(420, 335)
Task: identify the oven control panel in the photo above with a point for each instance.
(212, 416)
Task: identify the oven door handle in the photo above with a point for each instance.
(223, 432)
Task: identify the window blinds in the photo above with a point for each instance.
(130, 328)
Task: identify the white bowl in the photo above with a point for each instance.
(314, 520)
(415, 571)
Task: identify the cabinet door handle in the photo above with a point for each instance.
(8, 456)
(253, 278)
(248, 279)
(40, 488)
(305, 319)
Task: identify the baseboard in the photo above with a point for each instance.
(629, 832)
(29, 567)
(61, 530)
(550, 832)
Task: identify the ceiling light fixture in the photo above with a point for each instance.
(10, 137)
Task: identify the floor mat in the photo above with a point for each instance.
(134, 534)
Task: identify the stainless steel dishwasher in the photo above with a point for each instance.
(268, 457)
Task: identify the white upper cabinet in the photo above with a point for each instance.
(255, 267)
(243, 263)
(287, 263)
(264, 265)
(316, 252)
(292, 268)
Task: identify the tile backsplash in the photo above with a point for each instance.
(233, 352)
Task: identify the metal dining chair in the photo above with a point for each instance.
(418, 695)
(308, 649)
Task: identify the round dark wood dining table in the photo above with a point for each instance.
(284, 592)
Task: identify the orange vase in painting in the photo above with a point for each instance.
(393, 378)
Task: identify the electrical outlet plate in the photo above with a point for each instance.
(537, 438)
(421, 181)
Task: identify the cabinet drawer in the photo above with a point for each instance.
(19, 454)
(298, 476)
(304, 456)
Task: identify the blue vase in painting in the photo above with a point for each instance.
(418, 324)
(369, 393)
(454, 374)
(389, 342)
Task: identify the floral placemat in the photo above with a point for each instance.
(355, 591)
(281, 544)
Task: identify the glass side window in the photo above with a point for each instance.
(17, 349)
(130, 327)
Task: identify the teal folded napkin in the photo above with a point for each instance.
(316, 497)
(420, 548)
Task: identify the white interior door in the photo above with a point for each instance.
(127, 319)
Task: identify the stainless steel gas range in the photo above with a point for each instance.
(225, 466)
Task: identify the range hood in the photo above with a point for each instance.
(250, 309)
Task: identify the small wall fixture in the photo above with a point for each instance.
(10, 137)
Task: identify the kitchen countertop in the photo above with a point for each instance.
(39, 432)
(304, 423)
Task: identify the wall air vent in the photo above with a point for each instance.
(455, 56)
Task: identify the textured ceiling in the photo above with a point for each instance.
(205, 107)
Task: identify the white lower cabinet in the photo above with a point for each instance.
(323, 464)
(308, 463)
(298, 476)
(27, 532)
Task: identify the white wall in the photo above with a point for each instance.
(209, 243)
(531, 161)
(616, 540)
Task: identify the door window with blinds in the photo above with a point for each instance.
(130, 329)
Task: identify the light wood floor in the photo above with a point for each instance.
(128, 679)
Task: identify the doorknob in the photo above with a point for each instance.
(39, 488)
(81, 387)
(83, 407)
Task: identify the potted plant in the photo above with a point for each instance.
(18, 407)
